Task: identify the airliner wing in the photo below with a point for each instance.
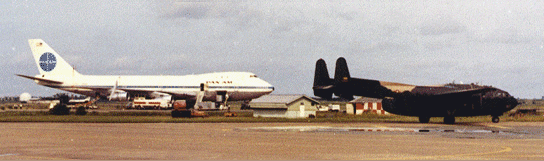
(184, 95)
(135, 92)
(39, 79)
(140, 92)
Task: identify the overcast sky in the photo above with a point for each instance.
(498, 43)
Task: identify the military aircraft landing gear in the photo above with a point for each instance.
(450, 117)
(495, 119)
(449, 120)
(424, 119)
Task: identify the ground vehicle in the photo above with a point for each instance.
(179, 109)
(75, 103)
(142, 103)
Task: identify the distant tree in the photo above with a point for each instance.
(81, 110)
(245, 105)
(64, 98)
(60, 109)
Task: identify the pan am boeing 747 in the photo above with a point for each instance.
(55, 72)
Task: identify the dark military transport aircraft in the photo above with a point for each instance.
(448, 101)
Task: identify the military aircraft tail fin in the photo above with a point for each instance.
(342, 79)
(321, 77)
(323, 84)
(341, 74)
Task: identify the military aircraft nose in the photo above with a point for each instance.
(511, 103)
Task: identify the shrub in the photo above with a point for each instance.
(64, 99)
(81, 111)
(59, 109)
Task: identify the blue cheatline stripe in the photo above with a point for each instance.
(182, 87)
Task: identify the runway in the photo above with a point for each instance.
(257, 141)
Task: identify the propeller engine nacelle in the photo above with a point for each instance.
(122, 96)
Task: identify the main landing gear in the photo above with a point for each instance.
(449, 120)
(424, 119)
(450, 117)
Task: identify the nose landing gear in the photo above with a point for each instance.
(495, 119)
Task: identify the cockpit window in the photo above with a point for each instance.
(501, 94)
(253, 76)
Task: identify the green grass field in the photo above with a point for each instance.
(164, 117)
(113, 113)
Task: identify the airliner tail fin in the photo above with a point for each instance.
(48, 61)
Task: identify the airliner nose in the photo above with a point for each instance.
(271, 87)
(268, 84)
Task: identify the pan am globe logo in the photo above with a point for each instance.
(48, 61)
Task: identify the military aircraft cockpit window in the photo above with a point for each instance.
(501, 94)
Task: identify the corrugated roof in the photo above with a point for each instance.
(283, 99)
(365, 99)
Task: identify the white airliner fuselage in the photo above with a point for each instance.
(57, 73)
(238, 85)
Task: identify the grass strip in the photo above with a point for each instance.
(32, 117)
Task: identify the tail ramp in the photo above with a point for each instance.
(48, 61)
(323, 84)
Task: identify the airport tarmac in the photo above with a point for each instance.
(257, 141)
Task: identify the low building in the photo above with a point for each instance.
(363, 104)
(287, 106)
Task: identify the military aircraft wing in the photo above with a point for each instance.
(370, 88)
(465, 92)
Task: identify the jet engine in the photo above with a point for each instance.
(121, 96)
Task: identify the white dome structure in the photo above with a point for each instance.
(25, 97)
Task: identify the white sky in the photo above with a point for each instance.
(498, 43)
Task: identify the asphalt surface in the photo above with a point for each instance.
(257, 141)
